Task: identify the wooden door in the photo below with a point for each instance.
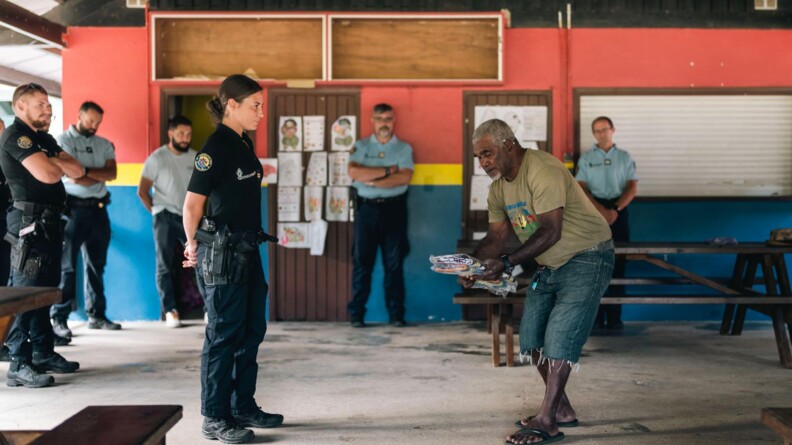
(305, 287)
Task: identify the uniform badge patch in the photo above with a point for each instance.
(203, 162)
(24, 142)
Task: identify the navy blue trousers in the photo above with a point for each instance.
(87, 232)
(379, 226)
(236, 328)
(32, 330)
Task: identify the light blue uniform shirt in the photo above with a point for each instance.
(606, 174)
(91, 152)
(370, 153)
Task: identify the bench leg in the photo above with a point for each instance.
(735, 283)
(496, 323)
(782, 337)
(728, 316)
(509, 334)
(748, 280)
(5, 326)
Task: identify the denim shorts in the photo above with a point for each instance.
(559, 313)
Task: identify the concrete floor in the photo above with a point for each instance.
(657, 383)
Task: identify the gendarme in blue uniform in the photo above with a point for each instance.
(380, 222)
(370, 153)
(87, 230)
(228, 172)
(606, 174)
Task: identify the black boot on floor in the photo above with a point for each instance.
(259, 419)
(225, 430)
(61, 329)
(54, 362)
(102, 323)
(24, 374)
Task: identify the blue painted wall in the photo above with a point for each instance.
(434, 229)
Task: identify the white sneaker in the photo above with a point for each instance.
(206, 317)
(172, 319)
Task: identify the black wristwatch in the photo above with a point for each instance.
(508, 267)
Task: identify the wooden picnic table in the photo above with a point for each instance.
(15, 300)
(737, 293)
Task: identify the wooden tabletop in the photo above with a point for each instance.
(664, 248)
(15, 300)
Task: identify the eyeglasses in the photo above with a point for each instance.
(383, 119)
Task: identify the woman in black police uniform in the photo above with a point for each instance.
(228, 175)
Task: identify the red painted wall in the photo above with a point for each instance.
(110, 66)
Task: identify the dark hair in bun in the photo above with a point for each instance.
(235, 86)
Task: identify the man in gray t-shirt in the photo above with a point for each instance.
(167, 171)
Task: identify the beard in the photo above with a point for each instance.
(180, 146)
(384, 131)
(87, 132)
(39, 123)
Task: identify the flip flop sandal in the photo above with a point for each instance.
(570, 424)
(546, 437)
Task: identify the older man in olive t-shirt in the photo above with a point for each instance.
(562, 230)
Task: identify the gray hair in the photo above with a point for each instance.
(495, 128)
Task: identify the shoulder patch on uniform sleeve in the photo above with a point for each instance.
(203, 162)
(24, 142)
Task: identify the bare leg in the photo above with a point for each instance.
(557, 376)
(565, 412)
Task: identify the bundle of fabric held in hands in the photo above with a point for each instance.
(466, 266)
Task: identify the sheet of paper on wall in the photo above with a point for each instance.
(479, 191)
(290, 169)
(342, 135)
(294, 235)
(318, 231)
(534, 124)
(339, 169)
(313, 203)
(529, 123)
(269, 167)
(477, 168)
(530, 145)
(317, 169)
(337, 204)
(289, 203)
(290, 133)
(313, 133)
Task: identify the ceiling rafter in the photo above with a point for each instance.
(19, 19)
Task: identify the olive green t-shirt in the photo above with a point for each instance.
(544, 184)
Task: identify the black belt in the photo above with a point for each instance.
(392, 199)
(35, 208)
(73, 201)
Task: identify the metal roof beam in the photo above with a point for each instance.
(12, 77)
(21, 20)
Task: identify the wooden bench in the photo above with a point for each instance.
(117, 425)
(500, 311)
(737, 295)
(15, 300)
(780, 421)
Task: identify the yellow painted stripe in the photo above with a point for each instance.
(128, 174)
(437, 174)
(424, 174)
